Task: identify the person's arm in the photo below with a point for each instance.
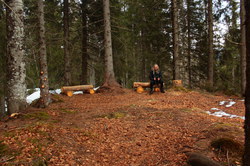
(160, 75)
(151, 75)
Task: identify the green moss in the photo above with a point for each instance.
(56, 98)
(68, 111)
(9, 134)
(37, 115)
(113, 115)
(39, 162)
(3, 148)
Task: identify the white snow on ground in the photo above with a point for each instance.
(227, 104)
(57, 91)
(224, 114)
(36, 95)
(221, 113)
(32, 97)
(230, 104)
(222, 102)
(78, 92)
(96, 88)
(215, 109)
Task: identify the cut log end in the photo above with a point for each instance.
(177, 83)
(140, 89)
(69, 93)
(91, 91)
(157, 89)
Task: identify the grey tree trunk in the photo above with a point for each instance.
(16, 74)
(246, 157)
(175, 26)
(109, 78)
(44, 82)
(84, 44)
(243, 47)
(67, 59)
(2, 107)
(211, 43)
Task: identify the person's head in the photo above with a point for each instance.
(156, 67)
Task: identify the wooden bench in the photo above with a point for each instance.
(140, 86)
(68, 90)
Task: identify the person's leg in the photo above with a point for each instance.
(161, 86)
(152, 83)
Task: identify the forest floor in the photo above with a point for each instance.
(134, 129)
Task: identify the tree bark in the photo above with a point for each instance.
(44, 82)
(109, 78)
(243, 47)
(175, 27)
(84, 44)
(246, 157)
(67, 59)
(189, 43)
(2, 107)
(211, 43)
(16, 74)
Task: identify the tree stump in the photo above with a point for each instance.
(177, 83)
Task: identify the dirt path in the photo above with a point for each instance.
(124, 129)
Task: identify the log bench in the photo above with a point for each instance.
(140, 86)
(68, 90)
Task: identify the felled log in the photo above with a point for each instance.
(68, 90)
(177, 83)
(141, 84)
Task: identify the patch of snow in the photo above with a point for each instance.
(230, 104)
(222, 102)
(96, 88)
(215, 109)
(57, 91)
(78, 92)
(221, 113)
(32, 97)
(36, 95)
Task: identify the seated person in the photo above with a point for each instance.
(156, 79)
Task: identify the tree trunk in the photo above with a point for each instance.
(67, 60)
(2, 107)
(243, 47)
(143, 57)
(210, 42)
(189, 44)
(84, 44)
(109, 78)
(16, 74)
(246, 157)
(176, 67)
(44, 82)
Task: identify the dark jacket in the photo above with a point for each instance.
(155, 74)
